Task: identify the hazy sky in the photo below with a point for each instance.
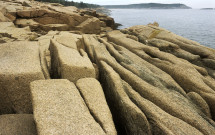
(191, 3)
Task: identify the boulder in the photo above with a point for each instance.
(68, 63)
(17, 124)
(94, 98)
(70, 40)
(90, 26)
(109, 21)
(26, 3)
(67, 39)
(89, 12)
(59, 109)
(154, 24)
(20, 64)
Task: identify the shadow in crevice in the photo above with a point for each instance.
(120, 128)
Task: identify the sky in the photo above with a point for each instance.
(190, 3)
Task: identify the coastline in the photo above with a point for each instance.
(179, 21)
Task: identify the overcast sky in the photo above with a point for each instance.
(191, 3)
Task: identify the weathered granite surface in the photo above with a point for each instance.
(66, 71)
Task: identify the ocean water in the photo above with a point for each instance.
(194, 24)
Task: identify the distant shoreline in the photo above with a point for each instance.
(148, 6)
(207, 8)
(155, 8)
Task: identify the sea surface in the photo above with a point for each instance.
(194, 24)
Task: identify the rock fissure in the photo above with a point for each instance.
(99, 122)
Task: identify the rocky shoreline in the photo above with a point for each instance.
(67, 71)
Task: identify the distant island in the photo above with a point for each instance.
(148, 6)
(208, 9)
